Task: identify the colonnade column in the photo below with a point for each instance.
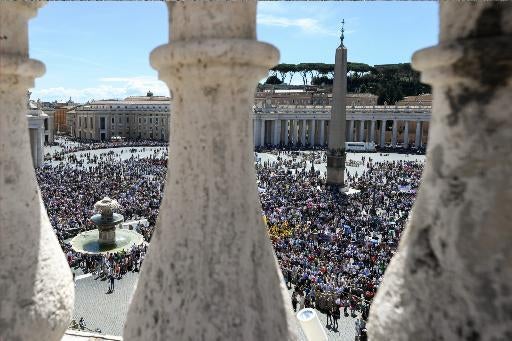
(256, 132)
(284, 132)
(263, 132)
(36, 296)
(362, 137)
(210, 272)
(40, 142)
(406, 134)
(417, 139)
(295, 133)
(322, 132)
(351, 131)
(303, 132)
(276, 138)
(394, 133)
(382, 133)
(372, 131)
(311, 132)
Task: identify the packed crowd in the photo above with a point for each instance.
(70, 189)
(68, 146)
(333, 248)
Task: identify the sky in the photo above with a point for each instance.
(99, 50)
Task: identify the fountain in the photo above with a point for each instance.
(107, 220)
(107, 237)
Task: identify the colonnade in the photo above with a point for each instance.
(400, 132)
(314, 132)
(299, 132)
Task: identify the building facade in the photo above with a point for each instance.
(309, 96)
(279, 118)
(136, 117)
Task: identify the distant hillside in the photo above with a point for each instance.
(391, 82)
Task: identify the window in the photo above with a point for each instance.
(90, 121)
(156, 120)
(139, 120)
(127, 120)
(150, 120)
(102, 123)
(113, 120)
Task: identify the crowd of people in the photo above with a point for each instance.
(332, 247)
(68, 145)
(70, 189)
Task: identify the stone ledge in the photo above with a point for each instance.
(76, 335)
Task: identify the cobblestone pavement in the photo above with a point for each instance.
(99, 309)
(108, 311)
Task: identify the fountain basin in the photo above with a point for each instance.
(89, 242)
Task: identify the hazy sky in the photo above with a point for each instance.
(98, 50)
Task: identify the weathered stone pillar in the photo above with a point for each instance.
(372, 131)
(210, 273)
(36, 288)
(406, 134)
(383, 133)
(394, 133)
(451, 277)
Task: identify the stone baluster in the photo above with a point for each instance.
(211, 272)
(451, 276)
(36, 287)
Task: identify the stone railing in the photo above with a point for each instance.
(210, 272)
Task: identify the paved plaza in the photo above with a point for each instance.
(107, 312)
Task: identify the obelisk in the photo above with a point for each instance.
(336, 143)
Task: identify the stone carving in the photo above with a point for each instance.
(451, 277)
(210, 272)
(36, 287)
